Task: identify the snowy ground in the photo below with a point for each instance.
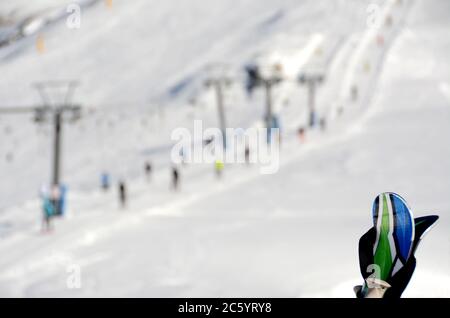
(293, 233)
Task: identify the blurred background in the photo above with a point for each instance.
(92, 204)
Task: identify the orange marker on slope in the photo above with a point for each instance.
(40, 44)
(109, 3)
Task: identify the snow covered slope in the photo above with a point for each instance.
(293, 233)
(128, 59)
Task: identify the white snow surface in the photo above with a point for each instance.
(290, 234)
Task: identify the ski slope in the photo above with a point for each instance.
(290, 234)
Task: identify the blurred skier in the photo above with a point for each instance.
(354, 92)
(312, 118)
(175, 178)
(380, 40)
(247, 155)
(219, 166)
(148, 170)
(323, 124)
(301, 134)
(388, 21)
(48, 210)
(122, 194)
(105, 181)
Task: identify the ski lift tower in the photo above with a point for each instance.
(219, 80)
(59, 112)
(312, 77)
(56, 112)
(263, 73)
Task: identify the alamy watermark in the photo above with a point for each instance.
(74, 18)
(252, 145)
(74, 276)
(73, 10)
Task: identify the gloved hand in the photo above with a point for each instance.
(399, 281)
